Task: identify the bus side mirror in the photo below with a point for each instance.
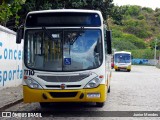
(19, 35)
(109, 44)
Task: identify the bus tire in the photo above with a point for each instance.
(44, 104)
(109, 89)
(128, 70)
(100, 104)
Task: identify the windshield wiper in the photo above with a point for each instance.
(72, 41)
(79, 33)
(49, 34)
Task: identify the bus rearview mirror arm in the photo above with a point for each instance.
(19, 35)
(109, 41)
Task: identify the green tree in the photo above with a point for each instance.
(139, 43)
(5, 13)
(148, 54)
(141, 17)
(137, 27)
(9, 12)
(147, 9)
(152, 43)
(133, 10)
(117, 14)
(143, 53)
(104, 6)
(122, 45)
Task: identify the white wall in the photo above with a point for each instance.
(10, 59)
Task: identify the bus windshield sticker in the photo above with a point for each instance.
(55, 35)
(67, 61)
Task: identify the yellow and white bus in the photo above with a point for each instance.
(66, 57)
(122, 61)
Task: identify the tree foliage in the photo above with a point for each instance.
(104, 6)
(138, 28)
(144, 53)
(121, 45)
(117, 14)
(133, 10)
(5, 13)
(9, 12)
(13, 10)
(124, 41)
(135, 28)
(149, 10)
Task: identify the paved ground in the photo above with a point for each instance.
(9, 96)
(137, 90)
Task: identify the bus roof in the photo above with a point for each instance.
(64, 18)
(122, 52)
(66, 10)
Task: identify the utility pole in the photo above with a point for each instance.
(155, 52)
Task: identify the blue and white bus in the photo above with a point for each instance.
(122, 61)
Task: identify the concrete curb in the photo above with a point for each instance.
(11, 104)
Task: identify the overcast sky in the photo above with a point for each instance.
(144, 3)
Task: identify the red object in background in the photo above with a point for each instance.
(112, 65)
(112, 62)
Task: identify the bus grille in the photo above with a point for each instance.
(63, 94)
(75, 78)
(58, 86)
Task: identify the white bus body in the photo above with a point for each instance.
(65, 58)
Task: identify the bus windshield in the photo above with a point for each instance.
(63, 50)
(122, 58)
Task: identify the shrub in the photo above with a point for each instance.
(123, 45)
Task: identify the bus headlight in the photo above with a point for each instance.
(33, 84)
(93, 83)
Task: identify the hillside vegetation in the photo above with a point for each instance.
(135, 29)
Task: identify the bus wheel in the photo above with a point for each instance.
(128, 70)
(100, 104)
(44, 104)
(108, 90)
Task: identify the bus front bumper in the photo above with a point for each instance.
(98, 94)
(122, 67)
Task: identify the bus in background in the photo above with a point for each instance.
(65, 57)
(122, 61)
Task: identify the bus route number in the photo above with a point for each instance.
(29, 72)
